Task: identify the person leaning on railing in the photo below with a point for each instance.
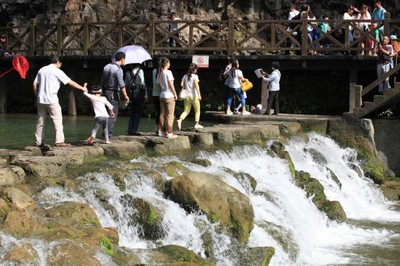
(385, 53)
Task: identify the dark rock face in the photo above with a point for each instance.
(21, 11)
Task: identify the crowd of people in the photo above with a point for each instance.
(113, 92)
(360, 30)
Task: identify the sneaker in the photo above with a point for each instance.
(246, 113)
(91, 140)
(179, 124)
(171, 136)
(159, 133)
(229, 113)
(44, 147)
(236, 112)
(198, 126)
(63, 144)
(107, 142)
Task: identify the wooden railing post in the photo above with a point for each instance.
(33, 38)
(86, 36)
(190, 36)
(231, 34)
(152, 33)
(59, 36)
(304, 34)
(386, 24)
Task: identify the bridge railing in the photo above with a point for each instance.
(230, 37)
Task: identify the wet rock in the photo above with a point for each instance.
(65, 253)
(17, 198)
(219, 201)
(23, 254)
(150, 218)
(127, 149)
(177, 255)
(11, 175)
(204, 139)
(391, 189)
(314, 189)
(24, 223)
(73, 214)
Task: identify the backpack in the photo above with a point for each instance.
(135, 88)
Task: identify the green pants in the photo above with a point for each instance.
(188, 103)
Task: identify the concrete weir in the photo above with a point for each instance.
(229, 130)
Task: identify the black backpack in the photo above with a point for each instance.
(135, 87)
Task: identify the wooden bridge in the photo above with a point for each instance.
(221, 39)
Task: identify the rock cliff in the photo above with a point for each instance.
(48, 11)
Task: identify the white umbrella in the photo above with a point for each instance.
(134, 54)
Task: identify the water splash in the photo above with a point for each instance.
(284, 217)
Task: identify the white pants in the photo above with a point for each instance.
(54, 111)
(380, 70)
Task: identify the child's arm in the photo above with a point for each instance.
(110, 107)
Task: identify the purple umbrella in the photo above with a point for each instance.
(134, 54)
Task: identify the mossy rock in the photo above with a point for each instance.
(173, 255)
(150, 219)
(335, 211)
(173, 169)
(374, 169)
(314, 188)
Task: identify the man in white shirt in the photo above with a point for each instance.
(45, 87)
(274, 78)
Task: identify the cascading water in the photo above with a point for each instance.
(284, 217)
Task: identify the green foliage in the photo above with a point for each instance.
(215, 106)
(107, 246)
(386, 114)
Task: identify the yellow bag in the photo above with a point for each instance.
(247, 85)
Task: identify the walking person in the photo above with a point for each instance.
(168, 97)
(45, 87)
(156, 91)
(137, 90)
(235, 78)
(274, 86)
(190, 83)
(173, 28)
(385, 53)
(112, 84)
(101, 115)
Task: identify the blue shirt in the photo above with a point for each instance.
(112, 78)
(378, 14)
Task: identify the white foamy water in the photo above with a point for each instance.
(284, 217)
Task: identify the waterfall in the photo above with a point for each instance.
(285, 218)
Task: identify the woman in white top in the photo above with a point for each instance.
(190, 83)
(364, 26)
(156, 91)
(168, 97)
(235, 77)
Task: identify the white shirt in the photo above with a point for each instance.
(274, 79)
(163, 79)
(292, 14)
(234, 81)
(347, 16)
(99, 105)
(189, 85)
(49, 79)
